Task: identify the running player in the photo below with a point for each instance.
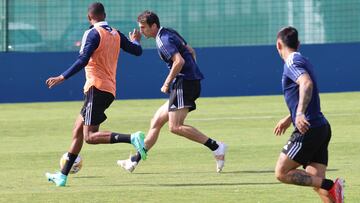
(99, 54)
(183, 86)
(308, 144)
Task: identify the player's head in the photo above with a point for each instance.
(149, 23)
(287, 38)
(96, 12)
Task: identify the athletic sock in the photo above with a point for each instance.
(69, 163)
(327, 184)
(211, 144)
(136, 157)
(117, 137)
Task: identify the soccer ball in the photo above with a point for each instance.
(75, 167)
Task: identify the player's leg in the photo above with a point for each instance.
(157, 122)
(298, 151)
(76, 145)
(330, 190)
(319, 170)
(177, 126)
(181, 101)
(286, 171)
(77, 136)
(94, 114)
(60, 178)
(305, 149)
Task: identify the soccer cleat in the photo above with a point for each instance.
(219, 155)
(137, 139)
(337, 191)
(58, 178)
(127, 164)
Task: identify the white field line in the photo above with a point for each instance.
(233, 118)
(264, 117)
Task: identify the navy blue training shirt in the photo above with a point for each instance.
(296, 65)
(168, 43)
(91, 41)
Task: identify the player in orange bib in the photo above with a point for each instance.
(99, 54)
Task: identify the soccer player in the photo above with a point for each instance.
(308, 144)
(99, 54)
(183, 86)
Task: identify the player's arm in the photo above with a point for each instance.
(192, 51)
(169, 49)
(305, 93)
(282, 125)
(92, 40)
(131, 46)
(178, 62)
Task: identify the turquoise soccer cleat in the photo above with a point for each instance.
(58, 178)
(137, 139)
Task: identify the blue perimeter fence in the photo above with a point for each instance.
(229, 71)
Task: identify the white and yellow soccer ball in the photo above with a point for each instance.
(76, 166)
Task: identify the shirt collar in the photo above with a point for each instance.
(158, 33)
(291, 56)
(98, 24)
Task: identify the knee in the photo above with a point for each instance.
(279, 174)
(175, 129)
(89, 138)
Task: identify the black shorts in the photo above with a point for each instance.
(309, 148)
(183, 94)
(96, 102)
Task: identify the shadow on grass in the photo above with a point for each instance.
(261, 171)
(195, 184)
(212, 184)
(207, 172)
(249, 171)
(86, 177)
(223, 172)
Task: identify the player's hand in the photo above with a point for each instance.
(165, 89)
(302, 124)
(281, 126)
(54, 81)
(135, 35)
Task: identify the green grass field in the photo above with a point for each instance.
(35, 135)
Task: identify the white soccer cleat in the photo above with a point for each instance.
(219, 155)
(127, 164)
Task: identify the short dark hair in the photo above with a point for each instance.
(289, 36)
(149, 17)
(96, 9)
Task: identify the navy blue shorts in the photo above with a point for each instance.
(309, 148)
(96, 102)
(183, 94)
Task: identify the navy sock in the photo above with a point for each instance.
(211, 144)
(327, 184)
(136, 157)
(117, 137)
(69, 163)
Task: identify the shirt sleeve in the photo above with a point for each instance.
(168, 47)
(90, 43)
(294, 68)
(132, 47)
